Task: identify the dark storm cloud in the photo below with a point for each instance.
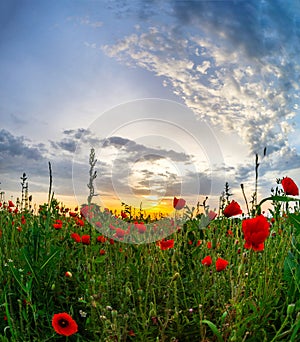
(13, 146)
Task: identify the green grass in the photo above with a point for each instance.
(138, 292)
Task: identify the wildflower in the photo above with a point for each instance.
(120, 233)
(102, 252)
(11, 204)
(166, 244)
(76, 237)
(82, 313)
(229, 232)
(64, 324)
(256, 230)
(19, 229)
(57, 224)
(101, 239)
(221, 264)
(131, 332)
(72, 214)
(209, 245)
(212, 215)
(232, 209)
(111, 241)
(84, 211)
(68, 274)
(140, 227)
(207, 261)
(86, 239)
(98, 224)
(123, 215)
(289, 186)
(178, 203)
(79, 222)
(23, 220)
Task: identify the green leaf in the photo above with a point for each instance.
(48, 259)
(295, 219)
(214, 329)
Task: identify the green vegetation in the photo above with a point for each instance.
(147, 292)
(202, 278)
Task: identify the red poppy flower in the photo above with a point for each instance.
(229, 232)
(212, 215)
(120, 233)
(84, 211)
(221, 264)
(232, 209)
(79, 222)
(123, 215)
(207, 261)
(209, 245)
(166, 244)
(76, 237)
(86, 239)
(102, 252)
(23, 220)
(64, 324)
(178, 203)
(72, 214)
(289, 187)
(57, 224)
(256, 230)
(11, 204)
(101, 239)
(140, 227)
(131, 333)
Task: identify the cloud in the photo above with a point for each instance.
(233, 63)
(12, 146)
(73, 139)
(85, 21)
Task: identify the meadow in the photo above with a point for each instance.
(225, 277)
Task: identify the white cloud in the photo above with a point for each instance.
(225, 86)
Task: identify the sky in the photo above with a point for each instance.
(176, 98)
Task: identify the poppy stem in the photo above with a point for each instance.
(245, 198)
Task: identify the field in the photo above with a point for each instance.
(68, 275)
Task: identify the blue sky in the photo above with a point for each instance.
(223, 76)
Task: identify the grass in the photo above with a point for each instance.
(139, 292)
